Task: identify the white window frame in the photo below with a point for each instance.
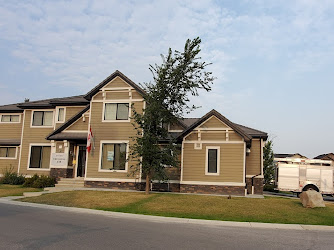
(9, 158)
(100, 157)
(41, 145)
(42, 110)
(10, 114)
(57, 114)
(207, 158)
(116, 102)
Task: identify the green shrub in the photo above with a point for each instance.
(40, 181)
(11, 177)
(269, 187)
(30, 181)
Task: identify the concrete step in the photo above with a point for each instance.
(70, 185)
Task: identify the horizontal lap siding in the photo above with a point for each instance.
(253, 160)
(6, 164)
(116, 95)
(11, 130)
(32, 135)
(231, 163)
(213, 122)
(117, 82)
(79, 125)
(108, 131)
(72, 111)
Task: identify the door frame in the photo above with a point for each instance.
(77, 160)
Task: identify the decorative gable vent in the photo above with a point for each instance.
(198, 145)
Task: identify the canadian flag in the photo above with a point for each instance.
(90, 140)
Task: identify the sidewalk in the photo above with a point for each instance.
(159, 219)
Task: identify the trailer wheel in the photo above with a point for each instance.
(310, 187)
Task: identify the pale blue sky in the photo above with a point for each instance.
(273, 59)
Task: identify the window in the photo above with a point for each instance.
(42, 118)
(7, 152)
(212, 160)
(60, 114)
(113, 156)
(10, 118)
(40, 157)
(116, 111)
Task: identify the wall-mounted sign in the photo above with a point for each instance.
(59, 159)
(110, 156)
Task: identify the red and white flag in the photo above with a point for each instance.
(90, 140)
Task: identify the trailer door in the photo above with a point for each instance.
(288, 177)
(327, 180)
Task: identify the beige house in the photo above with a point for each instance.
(50, 136)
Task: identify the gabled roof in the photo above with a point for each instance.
(11, 108)
(46, 103)
(96, 89)
(51, 103)
(10, 142)
(288, 155)
(54, 136)
(222, 118)
(329, 156)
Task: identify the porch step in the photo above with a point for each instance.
(70, 183)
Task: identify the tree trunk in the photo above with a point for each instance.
(147, 187)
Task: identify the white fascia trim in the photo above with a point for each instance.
(110, 179)
(214, 129)
(119, 100)
(235, 184)
(29, 155)
(32, 116)
(9, 158)
(127, 156)
(207, 158)
(117, 88)
(19, 114)
(24, 115)
(217, 142)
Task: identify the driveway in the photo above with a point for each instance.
(24, 227)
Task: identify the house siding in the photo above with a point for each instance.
(10, 164)
(253, 160)
(34, 135)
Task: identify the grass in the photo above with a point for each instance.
(15, 190)
(269, 210)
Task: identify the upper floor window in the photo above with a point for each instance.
(116, 111)
(7, 152)
(42, 118)
(10, 118)
(60, 114)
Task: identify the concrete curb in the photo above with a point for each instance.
(161, 219)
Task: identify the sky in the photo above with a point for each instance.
(273, 60)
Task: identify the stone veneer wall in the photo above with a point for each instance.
(61, 173)
(212, 189)
(173, 187)
(258, 185)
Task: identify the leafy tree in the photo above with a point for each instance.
(180, 75)
(268, 162)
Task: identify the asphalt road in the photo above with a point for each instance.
(41, 228)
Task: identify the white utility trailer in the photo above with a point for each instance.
(298, 175)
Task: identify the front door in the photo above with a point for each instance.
(81, 161)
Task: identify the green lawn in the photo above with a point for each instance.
(270, 209)
(15, 190)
